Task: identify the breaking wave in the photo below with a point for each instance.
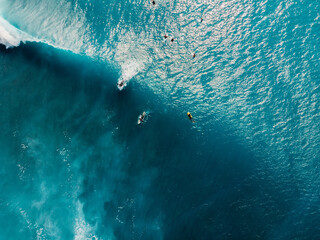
(10, 36)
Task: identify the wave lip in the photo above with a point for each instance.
(10, 36)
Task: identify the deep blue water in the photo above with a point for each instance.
(74, 162)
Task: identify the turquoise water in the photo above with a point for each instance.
(75, 164)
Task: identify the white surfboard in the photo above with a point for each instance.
(142, 116)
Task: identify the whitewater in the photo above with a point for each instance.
(75, 165)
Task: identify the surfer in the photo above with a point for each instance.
(166, 36)
(194, 55)
(120, 84)
(153, 2)
(201, 20)
(142, 117)
(172, 39)
(190, 117)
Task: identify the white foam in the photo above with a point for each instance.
(128, 71)
(131, 55)
(82, 229)
(9, 35)
(61, 25)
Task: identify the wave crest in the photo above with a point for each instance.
(10, 36)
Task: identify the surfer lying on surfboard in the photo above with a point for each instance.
(190, 117)
(142, 117)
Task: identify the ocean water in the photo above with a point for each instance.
(74, 162)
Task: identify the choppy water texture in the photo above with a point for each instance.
(74, 163)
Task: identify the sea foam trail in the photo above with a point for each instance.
(10, 36)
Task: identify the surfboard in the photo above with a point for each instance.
(144, 114)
